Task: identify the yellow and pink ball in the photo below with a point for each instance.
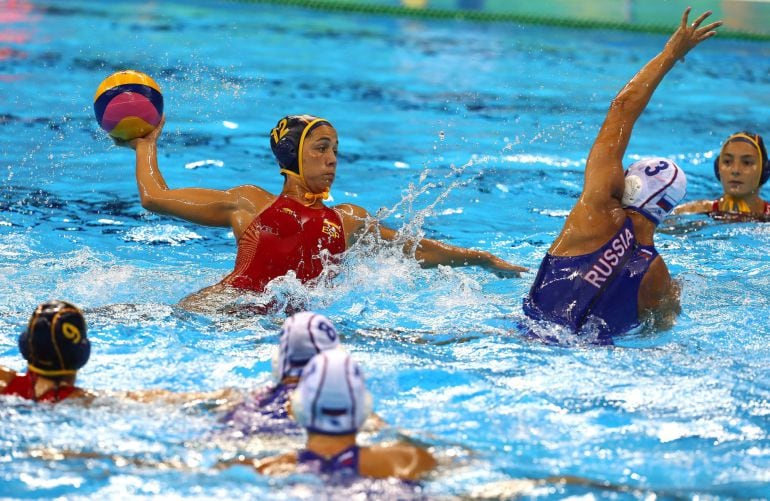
(128, 104)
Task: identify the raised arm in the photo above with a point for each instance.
(604, 180)
(429, 253)
(235, 207)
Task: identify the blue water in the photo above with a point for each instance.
(475, 134)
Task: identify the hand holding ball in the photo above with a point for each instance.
(128, 104)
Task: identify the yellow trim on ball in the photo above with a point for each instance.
(125, 77)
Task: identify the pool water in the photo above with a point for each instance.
(475, 134)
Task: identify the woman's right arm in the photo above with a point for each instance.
(199, 205)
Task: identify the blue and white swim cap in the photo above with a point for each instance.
(331, 397)
(654, 186)
(303, 336)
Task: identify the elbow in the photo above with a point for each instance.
(619, 102)
(149, 203)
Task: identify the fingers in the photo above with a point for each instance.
(700, 18)
(504, 269)
(694, 32)
(708, 31)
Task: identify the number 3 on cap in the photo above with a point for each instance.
(651, 171)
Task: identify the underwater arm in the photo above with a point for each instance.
(669, 307)
(659, 297)
(216, 397)
(51, 454)
(275, 465)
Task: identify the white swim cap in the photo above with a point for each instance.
(331, 397)
(303, 335)
(654, 186)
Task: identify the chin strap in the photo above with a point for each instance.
(731, 204)
(315, 197)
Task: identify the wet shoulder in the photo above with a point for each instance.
(400, 460)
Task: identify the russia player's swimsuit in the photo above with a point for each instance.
(24, 386)
(264, 412)
(602, 285)
(345, 462)
(284, 237)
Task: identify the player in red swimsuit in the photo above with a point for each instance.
(55, 346)
(293, 231)
(743, 167)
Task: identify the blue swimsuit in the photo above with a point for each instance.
(599, 289)
(264, 412)
(344, 462)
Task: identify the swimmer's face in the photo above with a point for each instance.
(319, 158)
(739, 169)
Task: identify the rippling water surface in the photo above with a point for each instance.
(475, 134)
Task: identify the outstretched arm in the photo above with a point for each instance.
(429, 253)
(604, 179)
(235, 207)
(214, 398)
(696, 207)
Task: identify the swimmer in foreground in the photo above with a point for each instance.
(303, 336)
(55, 346)
(743, 167)
(331, 403)
(264, 411)
(603, 273)
(293, 231)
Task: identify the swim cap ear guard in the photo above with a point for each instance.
(331, 397)
(654, 186)
(286, 140)
(759, 144)
(55, 341)
(303, 335)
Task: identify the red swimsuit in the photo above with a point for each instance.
(286, 236)
(715, 211)
(24, 386)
